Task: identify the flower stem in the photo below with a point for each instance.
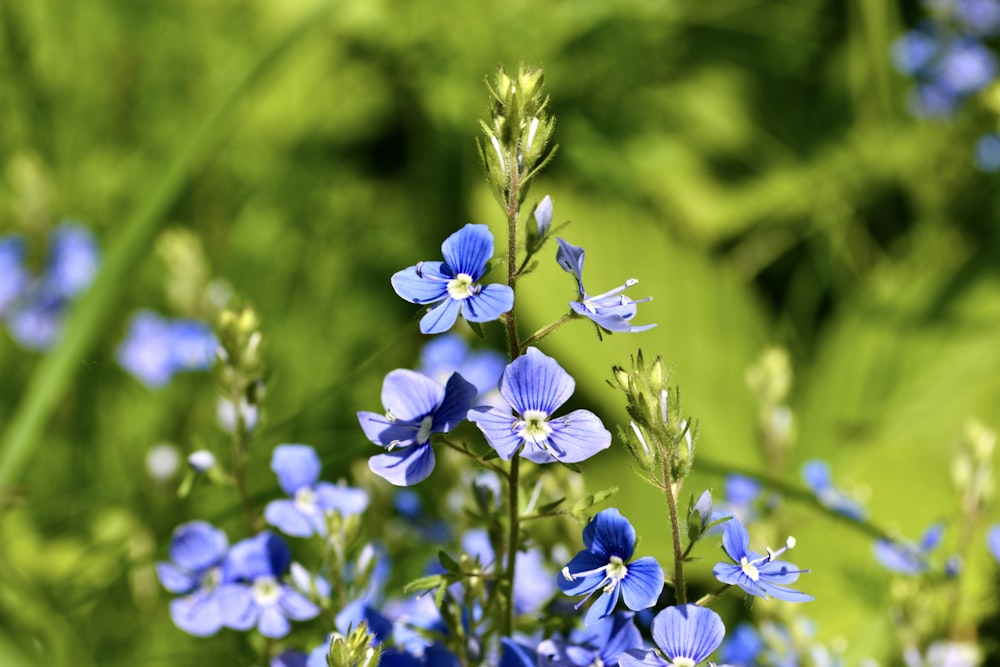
(709, 597)
(544, 331)
(670, 491)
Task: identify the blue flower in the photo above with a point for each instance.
(611, 310)
(449, 354)
(156, 348)
(758, 575)
(416, 408)
(687, 634)
(979, 16)
(298, 468)
(816, 474)
(742, 646)
(603, 565)
(536, 386)
(993, 542)
(533, 584)
(255, 594)
(73, 260)
(988, 152)
(197, 551)
(599, 644)
(908, 558)
(452, 284)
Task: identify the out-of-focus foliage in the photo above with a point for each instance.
(749, 161)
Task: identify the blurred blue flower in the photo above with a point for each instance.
(357, 611)
(914, 50)
(603, 565)
(156, 348)
(741, 647)
(758, 575)
(981, 17)
(598, 644)
(965, 66)
(73, 260)
(988, 152)
(305, 514)
(13, 275)
(687, 634)
(416, 408)
(533, 583)
(447, 354)
(293, 658)
(197, 552)
(610, 311)
(816, 474)
(906, 557)
(993, 542)
(254, 595)
(536, 386)
(452, 284)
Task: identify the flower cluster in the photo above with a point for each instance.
(156, 348)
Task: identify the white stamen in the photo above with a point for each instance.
(496, 147)
(461, 287)
(424, 432)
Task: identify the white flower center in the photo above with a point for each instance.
(211, 578)
(305, 500)
(424, 431)
(616, 571)
(460, 287)
(266, 591)
(682, 662)
(534, 428)
(749, 569)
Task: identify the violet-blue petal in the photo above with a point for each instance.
(357, 611)
(197, 546)
(467, 250)
(384, 433)
(783, 593)
(535, 381)
(688, 631)
(176, 580)
(198, 614)
(570, 258)
(603, 606)
(409, 395)
(577, 436)
(641, 658)
(73, 259)
(296, 606)
(492, 301)
(735, 540)
(441, 317)
(543, 216)
(424, 283)
(344, 499)
(584, 561)
(643, 583)
(516, 654)
(458, 397)
(285, 515)
(297, 467)
(496, 425)
(265, 555)
(993, 542)
(404, 467)
(239, 611)
(290, 658)
(272, 623)
(610, 534)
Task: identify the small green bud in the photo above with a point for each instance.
(355, 650)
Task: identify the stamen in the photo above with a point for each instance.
(461, 287)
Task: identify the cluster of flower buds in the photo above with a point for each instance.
(240, 369)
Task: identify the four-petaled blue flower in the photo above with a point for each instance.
(536, 386)
(611, 310)
(197, 550)
(305, 514)
(758, 575)
(908, 558)
(452, 284)
(255, 594)
(416, 408)
(599, 644)
(603, 565)
(687, 634)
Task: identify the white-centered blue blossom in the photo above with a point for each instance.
(760, 575)
(606, 565)
(687, 634)
(535, 386)
(452, 286)
(611, 310)
(197, 552)
(416, 407)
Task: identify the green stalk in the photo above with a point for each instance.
(88, 318)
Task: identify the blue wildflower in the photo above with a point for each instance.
(687, 634)
(981, 17)
(906, 557)
(816, 474)
(993, 542)
(603, 565)
(156, 348)
(197, 552)
(536, 386)
(610, 311)
(452, 284)
(758, 575)
(742, 646)
(444, 355)
(416, 408)
(533, 583)
(298, 468)
(599, 644)
(255, 594)
(73, 260)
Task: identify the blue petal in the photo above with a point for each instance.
(993, 542)
(491, 302)
(238, 609)
(642, 584)
(285, 516)
(404, 467)
(782, 593)
(422, 284)
(343, 499)
(297, 466)
(736, 540)
(296, 606)
(265, 555)
(610, 534)
(816, 475)
(289, 658)
(640, 658)
(577, 436)
(585, 561)
(688, 631)
(543, 216)
(175, 579)
(515, 654)
(355, 612)
(603, 606)
(197, 546)
(198, 614)
(535, 381)
(410, 396)
(932, 537)
(779, 572)
(441, 317)
(570, 258)
(272, 623)
(384, 433)
(497, 426)
(458, 397)
(73, 259)
(467, 250)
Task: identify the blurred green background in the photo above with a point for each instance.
(750, 162)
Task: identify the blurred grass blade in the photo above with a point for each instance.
(89, 315)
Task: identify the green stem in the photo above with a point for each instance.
(709, 597)
(544, 331)
(680, 588)
(475, 457)
(88, 319)
(513, 537)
